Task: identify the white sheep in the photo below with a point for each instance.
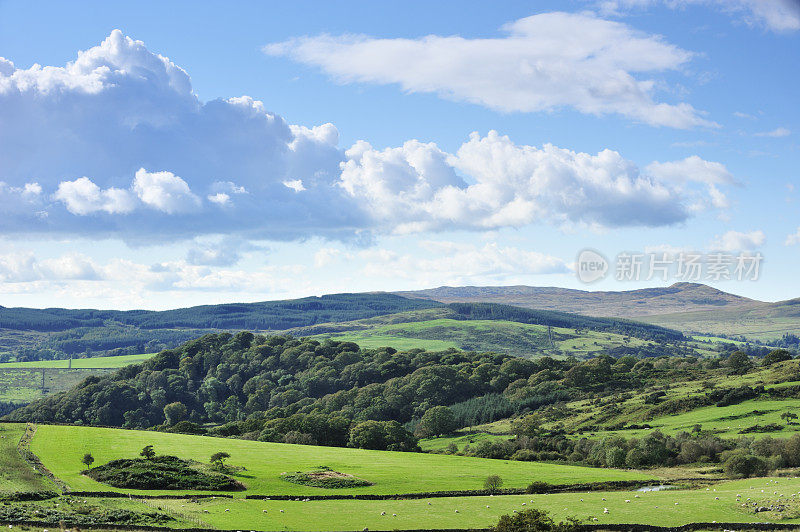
(383, 513)
(456, 511)
(605, 510)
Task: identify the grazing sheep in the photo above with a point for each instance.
(716, 498)
(394, 515)
(604, 498)
(456, 511)
(605, 510)
(227, 509)
(487, 505)
(281, 511)
(383, 513)
(627, 500)
(264, 511)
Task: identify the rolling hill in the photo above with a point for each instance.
(687, 307)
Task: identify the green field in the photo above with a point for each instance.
(440, 444)
(484, 335)
(21, 382)
(23, 385)
(61, 447)
(82, 363)
(717, 503)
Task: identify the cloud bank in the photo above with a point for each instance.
(779, 16)
(544, 62)
(116, 144)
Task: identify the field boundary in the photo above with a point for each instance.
(610, 485)
(23, 447)
(617, 527)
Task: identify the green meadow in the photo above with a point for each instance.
(718, 502)
(485, 335)
(82, 363)
(61, 447)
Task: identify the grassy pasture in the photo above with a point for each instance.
(21, 382)
(23, 385)
(726, 421)
(484, 335)
(61, 447)
(83, 363)
(15, 474)
(717, 503)
(440, 444)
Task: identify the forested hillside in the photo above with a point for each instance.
(281, 388)
(33, 334)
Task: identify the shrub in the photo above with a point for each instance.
(162, 472)
(493, 483)
(533, 520)
(745, 465)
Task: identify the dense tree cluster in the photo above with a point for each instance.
(742, 457)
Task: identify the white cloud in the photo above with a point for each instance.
(793, 239)
(294, 184)
(692, 168)
(738, 241)
(24, 267)
(544, 62)
(221, 251)
(454, 263)
(775, 133)
(220, 198)
(164, 191)
(82, 197)
(417, 187)
(776, 15)
(326, 256)
(120, 108)
(158, 163)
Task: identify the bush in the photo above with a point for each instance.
(745, 465)
(493, 483)
(537, 486)
(326, 478)
(162, 472)
(533, 520)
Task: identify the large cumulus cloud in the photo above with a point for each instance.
(116, 144)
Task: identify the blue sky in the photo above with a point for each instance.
(210, 152)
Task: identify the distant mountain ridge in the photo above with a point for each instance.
(679, 297)
(687, 307)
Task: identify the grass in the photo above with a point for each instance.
(461, 441)
(713, 418)
(484, 335)
(23, 385)
(718, 503)
(61, 447)
(21, 382)
(82, 363)
(15, 474)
